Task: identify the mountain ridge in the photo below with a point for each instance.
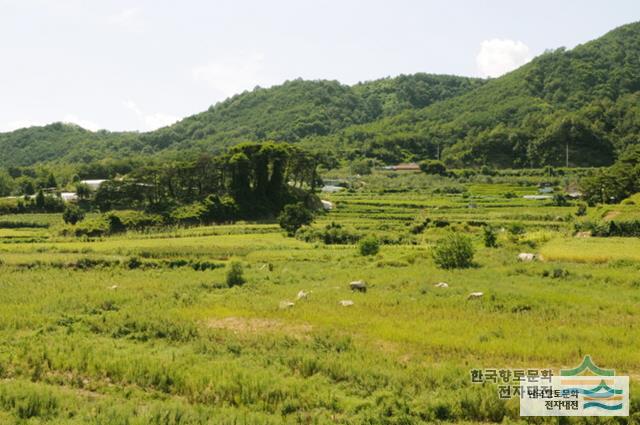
(582, 100)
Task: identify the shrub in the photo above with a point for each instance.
(235, 275)
(138, 220)
(72, 214)
(440, 223)
(485, 170)
(559, 200)
(331, 234)
(369, 246)
(294, 216)
(115, 224)
(582, 209)
(22, 225)
(431, 166)
(360, 166)
(517, 229)
(419, 225)
(454, 251)
(133, 263)
(220, 209)
(490, 237)
(189, 215)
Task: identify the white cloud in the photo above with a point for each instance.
(150, 121)
(499, 56)
(232, 75)
(86, 124)
(131, 105)
(154, 121)
(129, 19)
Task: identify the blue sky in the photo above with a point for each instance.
(142, 64)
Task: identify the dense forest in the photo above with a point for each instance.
(584, 99)
(249, 181)
(575, 107)
(291, 112)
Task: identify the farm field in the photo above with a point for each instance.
(141, 327)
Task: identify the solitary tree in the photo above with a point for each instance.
(294, 216)
(235, 275)
(40, 201)
(369, 245)
(454, 252)
(72, 214)
(490, 237)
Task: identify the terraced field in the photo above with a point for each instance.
(141, 328)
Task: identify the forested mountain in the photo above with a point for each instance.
(586, 98)
(584, 101)
(66, 142)
(289, 112)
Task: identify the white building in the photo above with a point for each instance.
(93, 184)
(68, 196)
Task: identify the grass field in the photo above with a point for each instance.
(135, 329)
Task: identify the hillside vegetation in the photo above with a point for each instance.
(575, 107)
(585, 98)
(289, 112)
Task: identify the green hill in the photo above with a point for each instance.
(580, 105)
(289, 112)
(585, 98)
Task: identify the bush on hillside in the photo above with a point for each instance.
(331, 234)
(369, 245)
(294, 216)
(72, 214)
(489, 236)
(235, 275)
(455, 251)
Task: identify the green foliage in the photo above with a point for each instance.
(613, 184)
(40, 200)
(559, 200)
(574, 107)
(294, 216)
(6, 183)
(581, 210)
(235, 274)
(220, 209)
(189, 214)
(139, 220)
(332, 234)
(138, 328)
(83, 191)
(455, 251)
(361, 167)
(369, 245)
(114, 223)
(72, 214)
(433, 167)
(610, 228)
(296, 110)
(102, 225)
(489, 237)
(517, 229)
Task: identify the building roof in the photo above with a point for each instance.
(411, 166)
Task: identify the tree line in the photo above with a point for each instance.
(250, 180)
